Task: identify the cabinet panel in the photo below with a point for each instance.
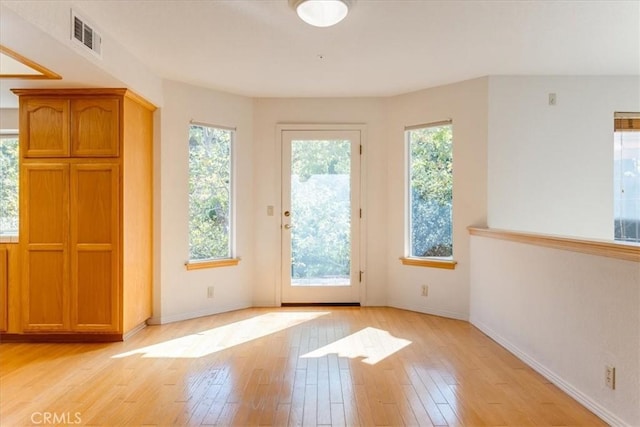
(47, 204)
(46, 297)
(95, 127)
(44, 231)
(44, 127)
(95, 301)
(4, 287)
(94, 246)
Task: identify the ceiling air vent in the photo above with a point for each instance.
(85, 34)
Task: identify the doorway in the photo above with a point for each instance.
(320, 221)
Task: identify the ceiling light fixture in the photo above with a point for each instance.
(321, 13)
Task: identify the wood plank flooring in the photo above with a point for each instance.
(333, 366)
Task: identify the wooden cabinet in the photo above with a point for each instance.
(95, 127)
(44, 127)
(82, 127)
(94, 246)
(85, 211)
(9, 288)
(44, 242)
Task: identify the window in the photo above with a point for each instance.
(9, 183)
(626, 177)
(210, 193)
(430, 188)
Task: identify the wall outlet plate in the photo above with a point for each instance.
(610, 377)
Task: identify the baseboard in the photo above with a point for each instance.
(430, 310)
(556, 379)
(320, 304)
(161, 320)
(264, 304)
(134, 331)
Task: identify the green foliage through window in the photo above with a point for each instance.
(9, 184)
(430, 191)
(626, 182)
(321, 206)
(210, 192)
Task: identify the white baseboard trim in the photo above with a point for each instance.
(162, 320)
(266, 304)
(430, 310)
(556, 379)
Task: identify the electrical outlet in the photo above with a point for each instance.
(610, 377)
(425, 290)
(210, 292)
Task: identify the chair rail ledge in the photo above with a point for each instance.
(605, 248)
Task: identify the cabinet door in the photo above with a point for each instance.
(95, 127)
(44, 241)
(94, 247)
(44, 127)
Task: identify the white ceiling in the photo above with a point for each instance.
(384, 47)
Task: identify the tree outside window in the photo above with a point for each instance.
(430, 169)
(210, 193)
(9, 184)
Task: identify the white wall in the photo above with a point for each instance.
(466, 104)
(181, 294)
(566, 314)
(551, 167)
(49, 23)
(269, 113)
(9, 118)
(551, 171)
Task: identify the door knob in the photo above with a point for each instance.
(288, 226)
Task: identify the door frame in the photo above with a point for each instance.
(360, 127)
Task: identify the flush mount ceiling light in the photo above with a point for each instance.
(321, 13)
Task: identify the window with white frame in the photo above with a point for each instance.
(210, 192)
(430, 190)
(9, 183)
(626, 177)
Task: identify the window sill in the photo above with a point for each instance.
(211, 263)
(8, 238)
(447, 264)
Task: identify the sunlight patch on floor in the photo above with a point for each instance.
(372, 344)
(223, 337)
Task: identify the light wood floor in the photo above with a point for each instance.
(290, 366)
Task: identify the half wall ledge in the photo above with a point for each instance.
(605, 248)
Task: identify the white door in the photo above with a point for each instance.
(320, 216)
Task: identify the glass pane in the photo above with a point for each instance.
(626, 166)
(431, 191)
(320, 213)
(209, 193)
(9, 185)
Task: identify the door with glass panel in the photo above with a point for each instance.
(320, 221)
